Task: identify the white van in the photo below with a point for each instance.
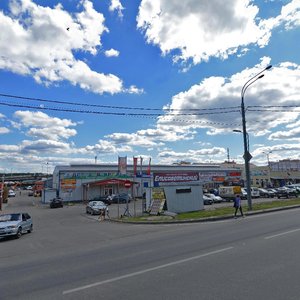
(254, 192)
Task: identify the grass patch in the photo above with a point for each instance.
(219, 211)
(223, 211)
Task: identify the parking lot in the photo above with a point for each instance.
(69, 248)
(135, 208)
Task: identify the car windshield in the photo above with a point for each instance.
(97, 203)
(10, 217)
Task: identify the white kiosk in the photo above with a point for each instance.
(182, 190)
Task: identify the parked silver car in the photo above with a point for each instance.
(95, 207)
(214, 198)
(15, 224)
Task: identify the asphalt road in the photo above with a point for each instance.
(70, 255)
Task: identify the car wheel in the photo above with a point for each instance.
(30, 229)
(19, 233)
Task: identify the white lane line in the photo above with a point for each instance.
(88, 286)
(282, 233)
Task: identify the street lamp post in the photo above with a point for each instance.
(268, 157)
(247, 155)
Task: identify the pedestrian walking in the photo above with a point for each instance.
(102, 214)
(238, 206)
(107, 213)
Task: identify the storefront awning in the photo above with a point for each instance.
(112, 181)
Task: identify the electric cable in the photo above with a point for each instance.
(106, 113)
(111, 106)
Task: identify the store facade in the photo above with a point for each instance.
(84, 182)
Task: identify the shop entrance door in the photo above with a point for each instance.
(108, 190)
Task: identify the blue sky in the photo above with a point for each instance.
(150, 78)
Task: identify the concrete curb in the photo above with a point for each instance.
(208, 219)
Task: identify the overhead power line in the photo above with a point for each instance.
(153, 116)
(274, 106)
(276, 110)
(107, 113)
(112, 106)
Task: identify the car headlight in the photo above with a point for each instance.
(11, 227)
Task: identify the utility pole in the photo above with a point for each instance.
(247, 155)
(2, 192)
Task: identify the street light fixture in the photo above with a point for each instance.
(240, 131)
(247, 156)
(268, 156)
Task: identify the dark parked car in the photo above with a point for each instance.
(56, 202)
(120, 198)
(15, 224)
(105, 199)
(266, 193)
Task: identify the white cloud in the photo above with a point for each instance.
(134, 90)
(46, 41)
(54, 133)
(279, 86)
(112, 53)
(283, 135)
(201, 29)
(4, 130)
(194, 156)
(104, 147)
(31, 118)
(116, 5)
(278, 152)
(9, 148)
(152, 138)
(43, 126)
(132, 139)
(41, 147)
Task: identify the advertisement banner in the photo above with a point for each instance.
(158, 201)
(149, 167)
(122, 164)
(68, 184)
(135, 161)
(175, 178)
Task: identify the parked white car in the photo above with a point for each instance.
(207, 200)
(11, 193)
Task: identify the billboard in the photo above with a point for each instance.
(160, 179)
(68, 184)
(122, 164)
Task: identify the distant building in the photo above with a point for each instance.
(275, 174)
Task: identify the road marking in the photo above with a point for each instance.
(88, 286)
(280, 234)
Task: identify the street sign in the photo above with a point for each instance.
(127, 184)
(247, 156)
